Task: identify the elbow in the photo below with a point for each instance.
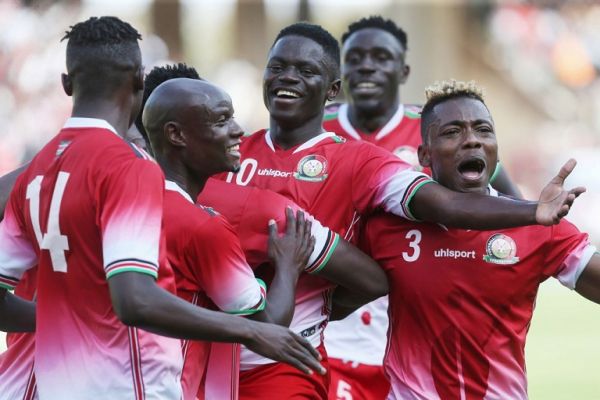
(132, 312)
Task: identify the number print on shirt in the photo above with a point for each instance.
(415, 236)
(344, 391)
(53, 241)
(241, 178)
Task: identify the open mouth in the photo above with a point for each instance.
(287, 94)
(233, 150)
(472, 168)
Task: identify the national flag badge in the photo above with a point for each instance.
(62, 146)
(501, 249)
(312, 168)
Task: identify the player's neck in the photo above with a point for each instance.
(370, 121)
(192, 185)
(107, 110)
(288, 136)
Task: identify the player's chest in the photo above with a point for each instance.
(496, 264)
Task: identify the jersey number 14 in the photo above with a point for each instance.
(53, 241)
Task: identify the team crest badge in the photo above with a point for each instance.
(312, 168)
(501, 249)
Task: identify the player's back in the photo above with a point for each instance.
(78, 205)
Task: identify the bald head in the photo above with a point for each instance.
(180, 101)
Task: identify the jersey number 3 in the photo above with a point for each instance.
(53, 241)
(414, 236)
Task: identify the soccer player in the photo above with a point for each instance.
(461, 301)
(373, 70)
(88, 212)
(248, 209)
(338, 182)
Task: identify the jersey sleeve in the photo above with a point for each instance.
(220, 268)
(381, 180)
(17, 254)
(567, 253)
(129, 210)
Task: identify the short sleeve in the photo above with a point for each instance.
(129, 206)
(221, 270)
(567, 253)
(17, 254)
(381, 180)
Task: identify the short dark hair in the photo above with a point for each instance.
(319, 35)
(157, 76)
(444, 91)
(377, 22)
(100, 50)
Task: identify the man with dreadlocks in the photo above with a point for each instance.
(88, 211)
(461, 301)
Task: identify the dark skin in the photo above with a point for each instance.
(464, 135)
(373, 70)
(190, 124)
(136, 298)
(293, 121)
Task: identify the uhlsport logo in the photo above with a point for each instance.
(312, 168)
(501, 249)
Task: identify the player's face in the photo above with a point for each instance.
(296, 80)
(461, 148)
(213, 136)
(372, 69)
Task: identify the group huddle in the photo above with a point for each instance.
(157, 252)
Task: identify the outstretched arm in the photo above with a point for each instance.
(435, 203)
(16, 314)
(138, 301)
(588, 284)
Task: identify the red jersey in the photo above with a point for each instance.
(335, 181)
(17, 380)
(249, 210)
(401, 135)
(210, 268)
(85, 209)
(461, 302)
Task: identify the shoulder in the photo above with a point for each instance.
(412, 111)
(331, 111)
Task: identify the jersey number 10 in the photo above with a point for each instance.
(53, 241)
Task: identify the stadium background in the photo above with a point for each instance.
(539, 62)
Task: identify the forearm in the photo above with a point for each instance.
(281, 298)
(16, 314)
(588, 284)
(435, 203)
(345, 302)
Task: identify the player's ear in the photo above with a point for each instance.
(404, 74)
(138, 79)
(334, 89)
(424, 155)
(174, 134)
(67, 84)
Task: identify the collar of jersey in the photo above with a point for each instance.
(174, 187)
(78, 122)
(306, 145)
(384, 131)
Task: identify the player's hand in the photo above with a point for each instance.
(555, 201)
(293, 249)
(281, 344)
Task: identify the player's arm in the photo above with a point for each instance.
(16, 314)
(289, 254)
(503, 184)
(588, 284)
(435, 203)
(139, 302)
(344, 302)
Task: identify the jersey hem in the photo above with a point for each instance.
(259, 307)
(412, 190)
(144, 271)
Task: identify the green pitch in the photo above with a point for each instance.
(563, 346)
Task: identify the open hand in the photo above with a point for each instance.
(555, 201)
(281, 344)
